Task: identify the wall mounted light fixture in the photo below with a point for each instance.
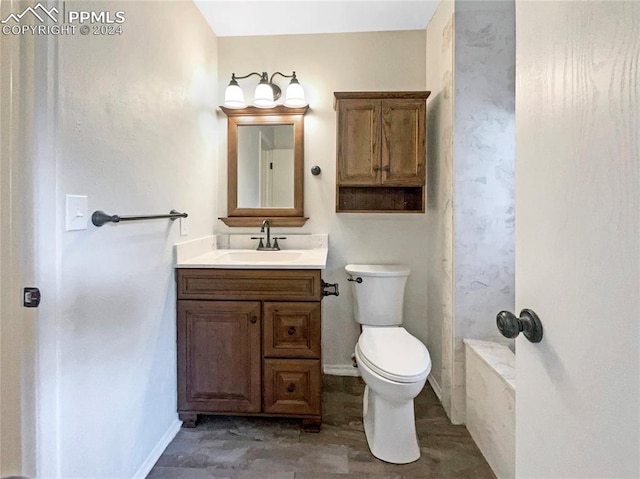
(266, 92)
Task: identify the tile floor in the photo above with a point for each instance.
(266, 448)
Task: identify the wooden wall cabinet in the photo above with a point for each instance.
(381, 152)
(249, 342)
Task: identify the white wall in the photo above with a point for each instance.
(324, 64)
(248, 153)
(282, 178)
(137, 135)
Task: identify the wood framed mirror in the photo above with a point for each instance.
(265, 161)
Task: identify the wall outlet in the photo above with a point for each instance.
(184, 226)
(76, 212)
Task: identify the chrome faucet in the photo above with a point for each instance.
(266, 225)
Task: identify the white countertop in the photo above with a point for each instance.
(252, 259)
(306, 251)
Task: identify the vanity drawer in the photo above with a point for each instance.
(291, 330)
(291, 386)
(249, 284)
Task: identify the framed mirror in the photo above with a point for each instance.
(265, 161)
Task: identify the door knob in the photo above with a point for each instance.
(254, 319)
(528, 322)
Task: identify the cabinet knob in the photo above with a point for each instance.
(291, 331)
(253, 319)
(291, 387)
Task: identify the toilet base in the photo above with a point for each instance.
(390, 428)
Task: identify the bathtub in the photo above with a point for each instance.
(491, 394)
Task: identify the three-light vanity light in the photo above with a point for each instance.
(266, 92)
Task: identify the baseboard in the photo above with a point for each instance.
(144, 470)
(436, 387)
(340, 370)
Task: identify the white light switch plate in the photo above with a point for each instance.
(184, 227)
(76, 212)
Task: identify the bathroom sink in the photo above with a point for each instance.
(262, 256)
(315, 258)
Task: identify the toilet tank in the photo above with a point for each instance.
(378, 298)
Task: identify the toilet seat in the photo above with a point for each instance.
(394, 354)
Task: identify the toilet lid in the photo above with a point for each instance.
(394, 354)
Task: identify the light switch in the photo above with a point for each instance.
(76, 212)
(184, 227)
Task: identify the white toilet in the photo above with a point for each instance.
(393, 363)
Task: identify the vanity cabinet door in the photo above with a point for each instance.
(219, 358)
(292, 386)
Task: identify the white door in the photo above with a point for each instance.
(17, 335)
(578, 238)
(28, 241)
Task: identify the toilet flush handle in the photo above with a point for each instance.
(356, 280)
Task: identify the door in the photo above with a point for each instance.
(578, 238)
(219, 358)
(403, 142)
(27, 411)
(359, 142)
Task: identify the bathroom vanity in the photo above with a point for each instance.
(249, 334)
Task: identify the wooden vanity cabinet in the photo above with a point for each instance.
(381, 151)
(249, 342)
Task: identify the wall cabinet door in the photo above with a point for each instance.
(219, 358)
(359, 142)
(381, 142)
(403, 142)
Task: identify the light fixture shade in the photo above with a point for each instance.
(233, 97)
(263, 97)
(294, 97)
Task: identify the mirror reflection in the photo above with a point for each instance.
(265, 166)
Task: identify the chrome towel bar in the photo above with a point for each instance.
(98, 218)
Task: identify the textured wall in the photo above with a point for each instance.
(136, 134)
(484, 185)
(439, 239)
(324, 64)
(470, 240)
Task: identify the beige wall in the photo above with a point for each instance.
(324, 64)
(137, 135)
